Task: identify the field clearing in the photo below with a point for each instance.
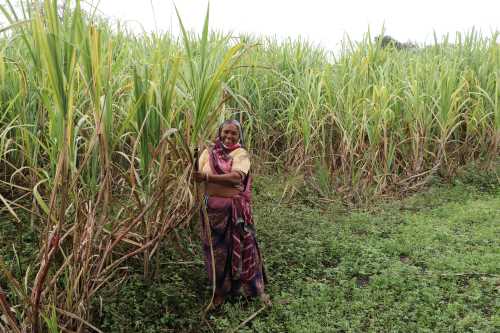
(427, 263)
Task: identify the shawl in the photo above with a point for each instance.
(244, 249)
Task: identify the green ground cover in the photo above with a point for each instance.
(430, 262)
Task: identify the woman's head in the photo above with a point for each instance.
(230, 133)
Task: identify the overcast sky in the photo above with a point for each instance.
(321, 21)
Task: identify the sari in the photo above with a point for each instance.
(238, 262)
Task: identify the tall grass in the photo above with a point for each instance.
(98, 125)
(377, 118)
(108, 154)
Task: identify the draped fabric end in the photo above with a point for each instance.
(238, 262)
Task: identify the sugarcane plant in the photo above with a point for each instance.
(98, 128)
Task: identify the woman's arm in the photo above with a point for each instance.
(241, 165)
(229, 179)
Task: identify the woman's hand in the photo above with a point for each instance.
(199, 176)
(228, 179)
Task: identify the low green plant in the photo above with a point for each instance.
(425, 263)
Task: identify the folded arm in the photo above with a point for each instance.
(229, 179)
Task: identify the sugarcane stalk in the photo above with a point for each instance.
(206, 223)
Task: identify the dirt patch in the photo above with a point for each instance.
(404, 259)
(362, 281)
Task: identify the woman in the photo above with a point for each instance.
(224, 168)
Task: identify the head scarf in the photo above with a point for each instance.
(235, 122)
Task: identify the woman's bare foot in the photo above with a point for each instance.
(218, 301)
(265, 299)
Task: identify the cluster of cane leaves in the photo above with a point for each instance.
(97, 127)
(377, 118)
(96, 147)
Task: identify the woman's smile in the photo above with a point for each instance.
(230, 135)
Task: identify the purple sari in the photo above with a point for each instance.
(238, 262)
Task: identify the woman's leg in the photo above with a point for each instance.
(219, 216)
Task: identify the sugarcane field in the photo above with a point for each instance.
(211, 181)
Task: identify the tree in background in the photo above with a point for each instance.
(388, 41)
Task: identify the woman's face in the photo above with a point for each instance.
(230, 134)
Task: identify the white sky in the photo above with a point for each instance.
(321, 21)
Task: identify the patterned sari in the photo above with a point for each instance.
(238, 261)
